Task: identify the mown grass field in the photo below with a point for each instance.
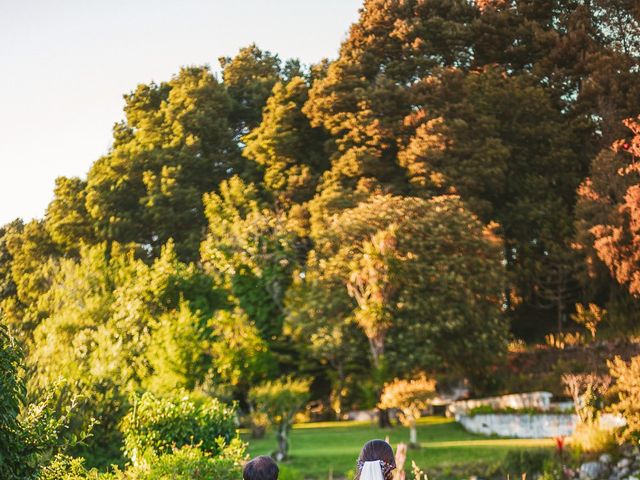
(320, 448)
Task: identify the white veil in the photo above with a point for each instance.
(371, 471)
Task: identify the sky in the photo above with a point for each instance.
(65, 64)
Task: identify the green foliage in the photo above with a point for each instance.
(12, 393)
(185, 463)
(249, 78)
(281, 400)
(175, 145)
(178, 351)
(30, 433)
(445, 273)
(241, 357)
(552, 470)
(67, 219)
(489, 410)
(64, 467)
(110, 329)
(251, 250)
(519, 462)
(157, 425)
(627, 389)
(286, 146)
(389, 209)
(591, 438)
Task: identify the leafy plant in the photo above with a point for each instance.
(280, 400)
(410, 397)
(627, 376)
(158, 425)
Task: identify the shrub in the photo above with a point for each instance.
(627, 387)
(410, 397)
(158, 425)
(552, 470)
(288, 473)
(587, 392)
(590, 438)
(280, 400)
(489, 410)
(518, 462)
(64, 467)
(31, 434)
(187, 463)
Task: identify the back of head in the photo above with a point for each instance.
(377, 450)
(261, 468)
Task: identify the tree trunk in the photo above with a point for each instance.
(384, 421)
(377, 349)
(282, 436)
(413, 436)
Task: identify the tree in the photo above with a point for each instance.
(113, 324)
(241, 358)
(428, 276)
(158, 425)
(31, 433)
(501, 144)
(249, 78)
(281, 400)
(67, 220)
(7, 285)
(250, 250)
(175, 145)
(587, 392)
(284, 144)
(609, 213)
(372, 285)
(590, 317)
(411, 398)
(318, 314)
(30, 264)
(556, 282)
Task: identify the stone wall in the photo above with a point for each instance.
(538, 400)
(544, 425)
(521, 426)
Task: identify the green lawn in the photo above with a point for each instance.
(318, 448)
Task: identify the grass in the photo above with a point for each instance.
(319, 448)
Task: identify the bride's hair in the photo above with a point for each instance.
(377, 450)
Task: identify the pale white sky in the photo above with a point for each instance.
(64, 65)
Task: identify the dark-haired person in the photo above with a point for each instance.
(376, 461)
(261, 468)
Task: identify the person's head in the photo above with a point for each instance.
(378, 450)
(261, 468)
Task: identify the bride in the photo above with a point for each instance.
(376, 461)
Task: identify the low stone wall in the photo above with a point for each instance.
(538, 400)
(542, 425)
(520, 426)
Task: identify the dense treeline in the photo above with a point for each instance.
(462, 172)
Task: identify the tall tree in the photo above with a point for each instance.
(609, 221)
(67, 219)
(427, 288)
(175, 145)
(500, 143)
(250, 250)
(290, 151)
(249, 78)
